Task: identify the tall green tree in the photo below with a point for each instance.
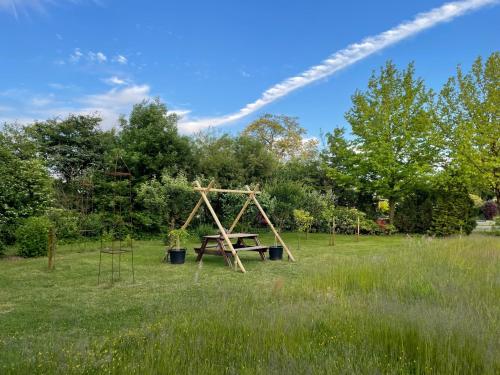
(25, 188)
(283, 135)
(469, 113)
(235, 161)
(70, 146)
(151, 142)
(394, 133)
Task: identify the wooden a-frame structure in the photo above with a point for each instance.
(224, 233)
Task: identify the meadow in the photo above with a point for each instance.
(391, 304)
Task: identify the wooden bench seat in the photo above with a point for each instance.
(212, 251)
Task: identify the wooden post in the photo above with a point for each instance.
(290, 256)
(221, 228)
(242, 211)
(357, 237)
(196, 208)
(51, 248)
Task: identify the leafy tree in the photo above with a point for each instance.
(70, 146)
(283, 135)
(168, 201)
(234, 161)
(25, 186)
(303, 220)
(393, 128)
(288, 195)
(470, 122)
(340, 163)
(152, 144)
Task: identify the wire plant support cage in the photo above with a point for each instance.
(116, 236)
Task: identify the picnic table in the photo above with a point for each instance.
(214, 245)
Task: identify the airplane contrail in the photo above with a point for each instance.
(342, 59)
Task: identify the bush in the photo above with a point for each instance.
(203, 230)
(453, 212)
(2, 247)
(346, 221)
(32, 237)
(414, 213)
(489, 210)
(65, 223)
(91, 225)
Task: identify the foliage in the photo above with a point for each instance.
(303, 220)
(151, 143)
(65, 222)
(283, 135)
(70, 146)
(32, 237)
(167, 201)
(414, 212)
(25, 186)
(393, 128)
(234, 161)
(346, 221)
(91, 224)
(287, 195)
(203, 230)
(468, 113)
(176, 237)
(453, 211)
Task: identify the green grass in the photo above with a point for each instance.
(380, 305)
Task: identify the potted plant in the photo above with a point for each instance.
(176, 254)
(275, 251)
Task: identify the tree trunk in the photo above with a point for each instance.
(392, 211)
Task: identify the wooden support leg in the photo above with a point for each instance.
(195, 209)
(202, 249)
(290, 256)
(221, 229)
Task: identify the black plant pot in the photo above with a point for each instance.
(177, 256)
(276, 252)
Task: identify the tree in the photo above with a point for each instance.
(25, 186)
(234, 161)
(470, 122)
(70, 146)
(283, 135)
(152, 144)
(394, 133)
(304, 221)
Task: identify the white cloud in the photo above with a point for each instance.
(120, 59)
(342, 59)
(76, 55)
(96, 56)
(115, 81)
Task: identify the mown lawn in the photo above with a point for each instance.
(380, 305)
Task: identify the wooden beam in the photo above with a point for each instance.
(216, 190)
(196, 208)
(242, 211)
(221, 228)
(290, 256)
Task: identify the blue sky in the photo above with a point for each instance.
(210, 59)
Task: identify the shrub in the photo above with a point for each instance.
(452, 212)
(91, 225)
(414, 213)
(489, 210)
(2, 247)
(65, 223)
(303, 220)
(203, 230)
(31, 237)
